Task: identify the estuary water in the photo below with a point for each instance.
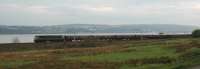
(22, 38)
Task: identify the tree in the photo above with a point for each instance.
(196, 33)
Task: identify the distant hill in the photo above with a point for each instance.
(91, 28)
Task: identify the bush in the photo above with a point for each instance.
(196, 33)
(189, 59)
(192, 54)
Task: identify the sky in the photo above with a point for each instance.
(112, 12)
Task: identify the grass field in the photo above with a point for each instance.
(181, 53)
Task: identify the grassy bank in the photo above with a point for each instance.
(182, 53)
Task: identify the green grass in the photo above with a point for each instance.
(149, 66)
(137, 53)
(14, 63)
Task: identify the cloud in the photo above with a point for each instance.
(98, 8)
(37, 9)
(196, 7)
(9, 7)
(100, 11)
(32, 9)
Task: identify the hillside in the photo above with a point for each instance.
(180, 53)
(90, 28)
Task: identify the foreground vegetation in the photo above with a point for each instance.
(183, 53)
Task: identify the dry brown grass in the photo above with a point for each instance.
(182, 47)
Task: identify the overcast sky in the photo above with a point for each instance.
(114, 12)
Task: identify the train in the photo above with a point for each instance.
(71, 38)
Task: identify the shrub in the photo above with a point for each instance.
(193, 53)
(196, 33)
(188, 59)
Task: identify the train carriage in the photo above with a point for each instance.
(69, 38)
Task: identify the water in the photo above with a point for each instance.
(28, 38)
(23, 38)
